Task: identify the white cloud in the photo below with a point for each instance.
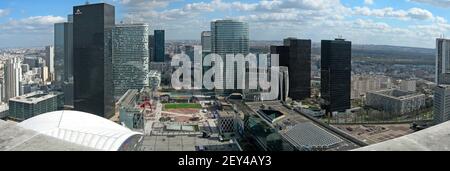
(271, 20)
(412, 13)
(4, 12)
(145, 4)
(32, 24)
(438, 3)
(315, 19)
(368, 2)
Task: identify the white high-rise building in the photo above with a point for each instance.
(441, 103)
(443, 61)
(13, 76)
(50, 61)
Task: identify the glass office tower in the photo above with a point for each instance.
(64, 59)
(229, 37)
(296, 55)
(130, 57)
(442, 61)
(336, 74)
(92, 59)
(160, 45)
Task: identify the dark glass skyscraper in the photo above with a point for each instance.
(92, 26)
(296, 54)
(159, 43)
(64, 59)
(336, 74)
(283, 53)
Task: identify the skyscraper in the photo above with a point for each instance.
(442, 61)
(206, 49)
(45, 75)
(229, 37)
(92, 25)
(64, 58)
(159, 45)
(441, 103)
(130, 57)
(13, 76)
(59, 44)
(206, 42)
(50, 61)
(151, 46)
(296, 54)
(336, 74)
(283, 53)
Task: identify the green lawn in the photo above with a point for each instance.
(182, 106)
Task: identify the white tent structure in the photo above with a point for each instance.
(84, 129)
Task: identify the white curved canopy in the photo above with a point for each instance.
(80, 128)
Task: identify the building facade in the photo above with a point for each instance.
(50, 62)
(151, 47)
(408, 85)
(63, 42)
(296, 55)
(32, 104)
(92, 70)
(395, 101)
(131, 115)
(13, 77)
(130, 57)
(206, 42)
(361, 84)
(4, 110)
(336, 74)
(441, 104)
(229, 37)
(442, 61)
(159, 45)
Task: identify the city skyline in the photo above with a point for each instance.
(119, 88)
(404, 23)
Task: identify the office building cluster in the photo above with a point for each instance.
(95, 61)
(123, 72)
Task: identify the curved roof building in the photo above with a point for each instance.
(85, 129)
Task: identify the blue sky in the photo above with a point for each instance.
(29, 23)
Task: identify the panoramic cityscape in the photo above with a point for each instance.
(272, 75)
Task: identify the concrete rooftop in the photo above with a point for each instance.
(15, 138)
(436, 138)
